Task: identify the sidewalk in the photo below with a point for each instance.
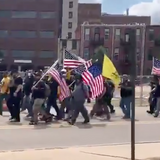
(121, 152)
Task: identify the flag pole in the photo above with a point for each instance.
(63, 55)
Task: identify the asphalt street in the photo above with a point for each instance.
(47, 138)
(99, 132)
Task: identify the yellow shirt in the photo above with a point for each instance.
(5, 84)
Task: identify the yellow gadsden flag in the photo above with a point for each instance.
(109, 71)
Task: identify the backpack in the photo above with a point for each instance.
(47, 90)
(82, 86)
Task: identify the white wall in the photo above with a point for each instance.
(66, 19)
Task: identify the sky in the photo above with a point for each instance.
(136, 7)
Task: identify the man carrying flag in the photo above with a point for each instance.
(79, 95)
(64, 89)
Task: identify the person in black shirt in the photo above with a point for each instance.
(39, 96)
(27, 89)
(52, 98)
(15, 97)
(109, 94)
(126, 94)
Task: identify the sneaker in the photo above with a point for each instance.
(71, 122)
(149, 112)
(33, 123)
(156, 115)
(113, 111)
(85, 122)
(11, 118)
(14, 120)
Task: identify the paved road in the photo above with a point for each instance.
(21, 139)
(23, 136)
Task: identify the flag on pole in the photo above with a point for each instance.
(64, 89)
(92, 77)
(71, 60)
(156, 66)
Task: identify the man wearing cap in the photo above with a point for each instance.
(126, 96)
(79, 95)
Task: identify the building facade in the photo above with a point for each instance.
(152, 34)
(108, 35)
(33, 33)
(69, 26)
(29, 33)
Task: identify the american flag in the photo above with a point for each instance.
(156, 66)
(64, 89)
(92, 77)
(72, 61)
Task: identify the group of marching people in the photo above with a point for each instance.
(38, 96)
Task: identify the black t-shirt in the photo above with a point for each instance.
(54, 88)
(28, 83)
(17, 81)
(39, 91)
(125, 92)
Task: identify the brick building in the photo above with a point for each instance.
(107, 30)
(29, 32)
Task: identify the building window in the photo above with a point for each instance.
(22, 14)
(138, 34)
(70, 15)
(3, 53)
(22, 54)
(70, 25)
(64, 43)
(151, 35)
(116, 54)
(69, 35)
(46, 34)
(23, 34)
(46, 54)
(149, 55)
(126, 57)
(74, 44)
(5, 14)
(117, 34)
(138, 54)
(71, 4)
(106, 33)
(86, 53)
(97, 30)
(47, 15)
(86, 34)
(107, 49)
(3, 34)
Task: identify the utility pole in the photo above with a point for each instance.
(129, 43)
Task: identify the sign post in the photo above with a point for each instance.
(129, 44)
